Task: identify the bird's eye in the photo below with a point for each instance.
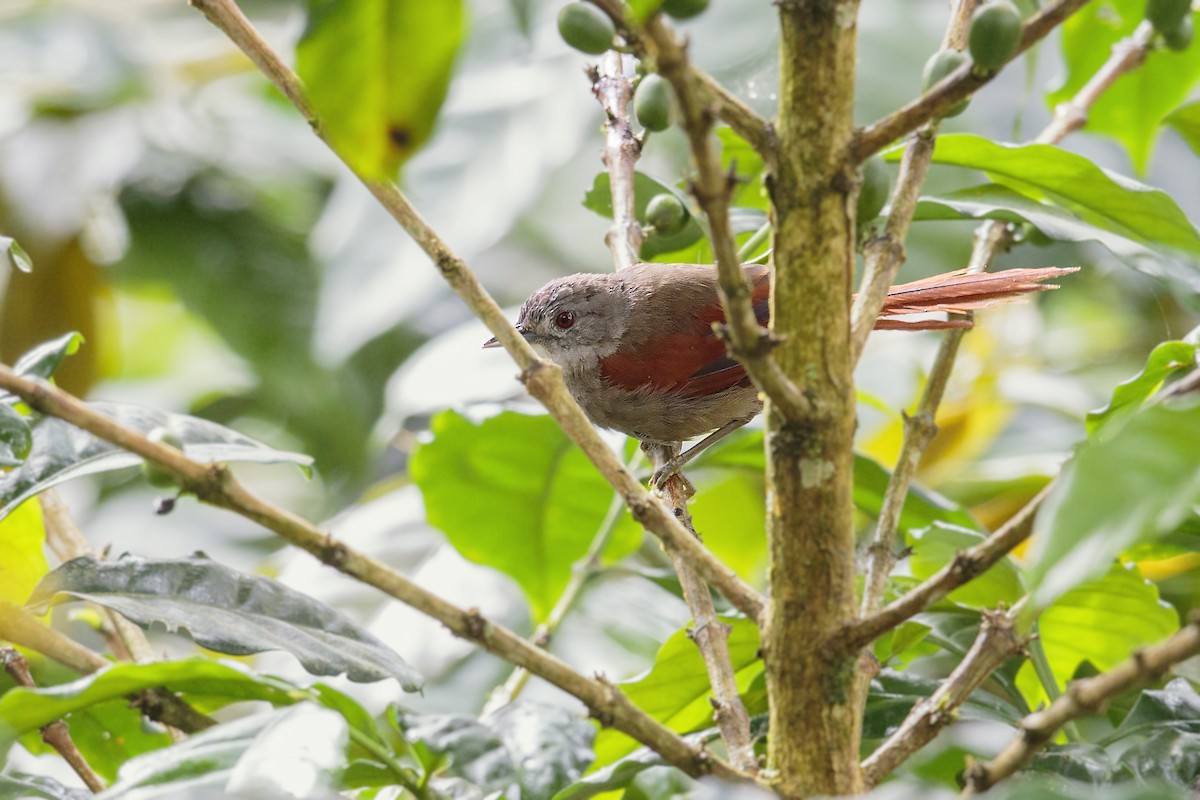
(565, 319)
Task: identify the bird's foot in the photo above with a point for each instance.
(670, 471)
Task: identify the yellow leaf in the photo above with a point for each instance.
(22, 559)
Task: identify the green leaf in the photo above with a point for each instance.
(19, 786)
(44, 360)
(376, 73)
(676, 690)
(230, 612)
(1101, 198)
(620, 774)
(995, 201)
(1133, 108)
(1127, 398)
(936, 546)
(62, 452)
(285, 752)
(23, 710)
(109, 734)
(738, 155)
(1186, 122)
(1102, 622)
(1135, 486)
(15, 436)
(513, 493)
(893, 694)
(22, 552)
(645, 189)
(17, 257)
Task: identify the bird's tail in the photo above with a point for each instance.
(959, 293)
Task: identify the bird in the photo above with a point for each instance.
(640, 353)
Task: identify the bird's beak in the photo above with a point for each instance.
(494, 342)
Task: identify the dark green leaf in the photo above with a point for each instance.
(230, 612)
(893, 694)
(1087, 763)
(645, 188)
(19, 786)
(1103, 622)
(1132, 109)
(62, 451)
(617, 776)
(1099, 197)
(44, 360)
(936, 546)
(1186, 122)
(17, 257)
(676, 690)
(1127, 398)
(515, 494)
(1135, 486)
(376, 73)
(1048, 786)
(285, 752)
(15, 436)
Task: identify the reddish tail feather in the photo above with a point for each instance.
(958, 293)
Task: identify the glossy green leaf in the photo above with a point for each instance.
(1099, 197)
(1166, 359)
(284, 752)
(230, 612)
(645, 188)
(1186, 122)
(107, 735)
(515, 494)
(936, 546)
(1102, 622)
(15, 436)
(44, 360)
(893, 694)
(676, 690)
(376, 73)
(16, 255)
(1132, 109)
(620, 774)
(1135, 486)
(62, 452)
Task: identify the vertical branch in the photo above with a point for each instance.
(621, 151)
(815, 725)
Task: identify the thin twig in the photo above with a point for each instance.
(542, 379)
(1082, 698)
(967, 565)
(215, 485)
(748, 341)
(56, 733)
(621, 151)
(956, 87)
(998, 640)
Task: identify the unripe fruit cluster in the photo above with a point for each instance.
(994, 35)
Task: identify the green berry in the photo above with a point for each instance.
(876, 184)
(154, 474)
(586, 28)
(1179, 37)
(1167, 15)
(995, 34)
(939, 65)
(684, 9)
(652, 103)
(666, 214)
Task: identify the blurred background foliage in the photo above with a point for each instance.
(220, 262)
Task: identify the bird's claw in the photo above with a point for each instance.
(666, 472)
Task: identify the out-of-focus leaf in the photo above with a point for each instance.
(1050, 786)
(645, 189)
(1135, 486)
(15, 436)
(1133, 108)
(43, 361)
(642, 9)
(230, 612)
(22, 554)
(1083, 762)
(61, 451)
(676, 689)
(285, 752)
(1186, 122)
(523, 750)
(995, 201)
(19, 786)
(376, 72)
(107, 735)
(1099, 197)
(936, 546)
(729, 511)
(515, 494)
(893, 694)
(1127, 398)
(738, 155)
(622, 773)
(1103, 622)
(1177, 704)
(16, 255)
